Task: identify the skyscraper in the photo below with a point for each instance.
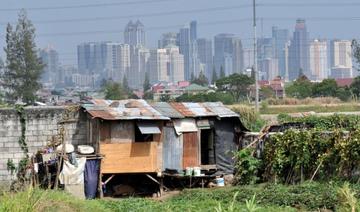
(92, 57)
(117, 60)
(299, 51)
(318, 60)
(134, 34)
(238, 57)
(341, 59)
(186, 40)
(193, 31)
(280, 38)
(139, 57)
(223, 50)
(205, 55)
(168, 39)
(175, 64)
(158, 66)
(50, 59)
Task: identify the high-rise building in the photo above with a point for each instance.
(134, 34)
(193, 31)
(280, 39)
(237, 56)
(205, 55)
(248, 55)
(117, 61)
(341, 59)
(92, 57)
(139, 57)
(318, 60)
(299, 51)
(185, 46)
(269, 68)
(50, 59)
(175, 64)
(168, 39)
(223, 46)
(166, 65)
(158, 66)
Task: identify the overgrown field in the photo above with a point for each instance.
(268, 197)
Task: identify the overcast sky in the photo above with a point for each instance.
(55, 21)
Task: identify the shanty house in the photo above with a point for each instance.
(128, 133)
(199, 135)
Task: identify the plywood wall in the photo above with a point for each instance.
(129, 157)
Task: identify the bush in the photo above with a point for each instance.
(249, 118)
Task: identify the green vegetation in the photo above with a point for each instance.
(114, 91)
(200, 80)
(277, 109)
(237, 85)
(249, 117)
(206, 97)
(264, 197)
(23, 66)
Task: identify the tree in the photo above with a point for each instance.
(301, 88)
(146, 85)
(267, 92)
(201, 80)
(222, 72)
(165, 98)
(23, 66)
(114, 91)
(327, 87)
(236, 84)
(125, 85)
(214, 76)
(355, 86)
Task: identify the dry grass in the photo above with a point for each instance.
(307, 101)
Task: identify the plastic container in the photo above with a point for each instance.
(197, 171)
(189, 171)
(220, 182)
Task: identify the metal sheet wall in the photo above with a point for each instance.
(172, 149)
(191, 149)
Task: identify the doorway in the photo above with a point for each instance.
(207, 147)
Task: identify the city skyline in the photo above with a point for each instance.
(65, 27)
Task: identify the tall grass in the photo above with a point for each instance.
(249, 117)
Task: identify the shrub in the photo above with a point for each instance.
(249, 117)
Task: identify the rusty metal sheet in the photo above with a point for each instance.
(123, 110)
(181, 108)
(190, 150)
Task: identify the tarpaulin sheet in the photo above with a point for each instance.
(225, 145)
(185, 125)
(72, 175)
(148, 128)
(91, 177)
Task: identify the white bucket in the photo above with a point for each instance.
(220, 182)
(188, 171)
(197, 171)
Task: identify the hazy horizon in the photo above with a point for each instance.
(65, 24)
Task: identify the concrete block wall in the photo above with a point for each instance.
(42, 124)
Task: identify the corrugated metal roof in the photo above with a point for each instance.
(167, 110)
(220, 110)
(192, 109)
(123, 110)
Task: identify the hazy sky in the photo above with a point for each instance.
(73, 23)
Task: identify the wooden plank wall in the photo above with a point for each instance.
(117, 131)
(190, 149)
(129, 158)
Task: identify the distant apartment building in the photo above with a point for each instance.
(299, 51)
(205, 55)
(168, 39)
(341, 59)
(92, 57)
(248, 55)
(269, 69)
(280, 39)
(50, 59)
(318, 60)
(134, 34)
(166, 65)
(228, 54)
(139, 57)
